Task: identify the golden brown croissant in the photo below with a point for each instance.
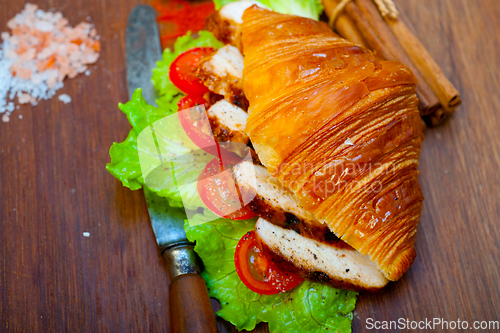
(339, 128)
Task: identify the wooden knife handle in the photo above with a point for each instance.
(190, 307)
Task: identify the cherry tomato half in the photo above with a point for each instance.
(182, 72)
(258, 272)
(216, 193)
(196, 124)
(191, 100)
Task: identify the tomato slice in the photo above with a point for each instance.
(182, 71)
(258, 272)
(216, 192)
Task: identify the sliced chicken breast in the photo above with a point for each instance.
(272, 201)
(228, 122)
(343, 268)
(222, 73)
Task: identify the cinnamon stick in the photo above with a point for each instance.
(369, 21)
(344, 25)
(447, 94)
(437, 118)
(428, 101)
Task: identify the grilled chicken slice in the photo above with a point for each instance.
(270, 200)
(225, 23)
(340, 267)
(290, 233)
(222, 73)
(228, 122)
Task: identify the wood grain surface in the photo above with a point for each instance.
(54, 187)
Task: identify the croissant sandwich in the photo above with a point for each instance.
(338, 135)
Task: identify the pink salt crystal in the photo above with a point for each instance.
(62, 60)
(63, 71)
(57, 17)
(30, 8)
(40, 66)
(24, 73)
(61, 24)
(36, 78)
(91, 58)
(29, 55)
(81, 69)
(93, 32)
(51, 82)
(82, 26)
(67, 31)
(33, 41)
(75, 56)
(62, 51)
(5, 35)
(72, 47)
(5, 118)
(24, 98)
(14, 68)
(44, 54)
(16, 64)
(11, 54)
(59, 39)
(11, 24)
(72, 73)
(14, 40)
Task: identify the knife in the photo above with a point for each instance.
(190, 307)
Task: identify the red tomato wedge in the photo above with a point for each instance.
(182, 71)
(258, 272)
(218, 192)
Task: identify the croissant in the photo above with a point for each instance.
(340, 129)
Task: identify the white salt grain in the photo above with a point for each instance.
(44, 26)
(86, 234)
(5, 118)
(65, 98)
(10, 107)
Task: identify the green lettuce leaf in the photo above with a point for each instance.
(310, 307)
(305, 8)
(124, 164)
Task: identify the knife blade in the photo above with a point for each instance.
(190, 307)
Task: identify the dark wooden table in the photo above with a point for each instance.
(54, 187)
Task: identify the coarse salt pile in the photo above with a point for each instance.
(41, 51)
